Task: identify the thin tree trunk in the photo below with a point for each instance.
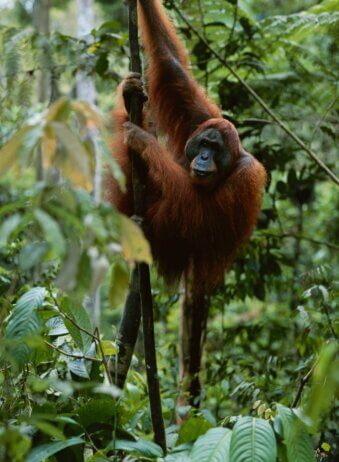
(41, 19)
(42, 24)
(297, 254)
(141, 275)
(85, 90)
(128, 332)
(84, 83)
(192, 334)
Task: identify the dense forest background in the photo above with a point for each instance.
(66, 255)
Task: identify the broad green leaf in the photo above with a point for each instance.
(118, 285)
(97, 410)
(298, 443)
(52, 231)
(17, 444)
(56, 327)
(134, 244)
(192, 428)
(78, 367)
(8, 226)
(24, 322)
(252, 440)
(325, 382)
(66, 215)
(11, 207)
(214, 446)
(326, 6)
(32, 254)
(180, 454)
(45, 451)
(49, 429)
(96, 225)
(80, 317)
(141, 447)
(67, 277)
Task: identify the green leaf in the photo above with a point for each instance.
(8, 226)
(52, 232)
(192, 428)
(214, 446)
(24, 322)
(118, 285)
(56, 327)
(67, 277)
(47, 450)
(17, 445)
(325, 381)
(49, 429)
(32, 254)
(80, 318)
(298, 443)
(97, 410)
(78, 367)
(141, 447)
(180, 454)
(253, 440)
(11, 207)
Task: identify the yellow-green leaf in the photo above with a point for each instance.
(9, 152)
(87, 111)
(118, 286)
(48, 144)
(59, 110)
(135, 246)
(326, 447)
(109, 347)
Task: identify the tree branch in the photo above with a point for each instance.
(95, 337)
(302, 384)
(141, 275)
(72, 355)
(304, 238)
(259, 100)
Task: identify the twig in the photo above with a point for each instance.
(323, 117)
(71, 355)
(302, 384)
(304, 238)
(71, 320)
(95, 337)
(262, 103)
(104, 360)
(202, 18)
(235, 18)
(329, 320)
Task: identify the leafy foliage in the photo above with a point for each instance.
(273, 328)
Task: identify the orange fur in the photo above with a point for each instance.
(190, 229)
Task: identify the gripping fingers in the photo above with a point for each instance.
(135, 137)
(133, 85)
